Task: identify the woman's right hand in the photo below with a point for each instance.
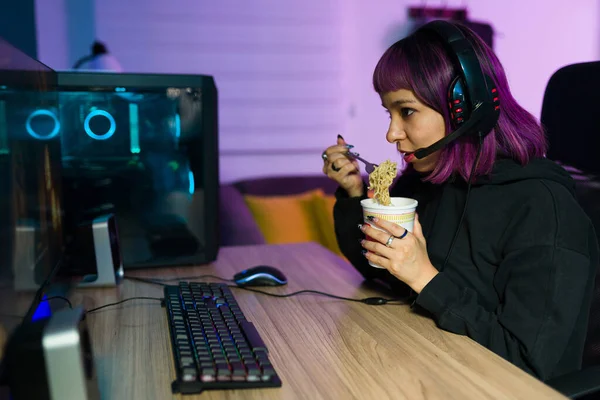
(338, 166)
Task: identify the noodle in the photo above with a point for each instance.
(380, 181)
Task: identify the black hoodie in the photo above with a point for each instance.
(520, 277)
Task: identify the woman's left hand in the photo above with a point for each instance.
(405, 258)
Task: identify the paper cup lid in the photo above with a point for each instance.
(398, 204)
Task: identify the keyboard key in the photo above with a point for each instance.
(219, 359)
(254, 339)
(238, 368)
(207, 374)
(188, 374)
(253, 373)
(185, 353)
(249, 362)
(223, 369)
(187, 361)
(263, 361)
(267, 373)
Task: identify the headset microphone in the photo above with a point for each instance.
(473, 123)
(424, 152)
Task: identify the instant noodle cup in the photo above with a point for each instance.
(401, 212)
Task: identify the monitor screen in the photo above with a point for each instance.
(144, 148)
(31, 225)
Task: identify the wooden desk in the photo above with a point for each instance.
(322, 348)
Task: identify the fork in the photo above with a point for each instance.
(369, 167)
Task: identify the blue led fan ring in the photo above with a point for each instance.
(100, 113)
(39, 113)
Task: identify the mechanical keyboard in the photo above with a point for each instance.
(214, 345)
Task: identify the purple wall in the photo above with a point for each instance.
(292, 75)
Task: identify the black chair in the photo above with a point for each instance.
(571, 117)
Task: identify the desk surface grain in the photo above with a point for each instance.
(322, 348)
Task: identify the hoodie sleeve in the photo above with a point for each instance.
(546, 287)
(347, 214)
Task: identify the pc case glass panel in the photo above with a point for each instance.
(129, 152)
(31, 238)
(31, 214)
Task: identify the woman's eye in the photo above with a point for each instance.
(407, 112)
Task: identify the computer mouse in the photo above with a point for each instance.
(260, 275)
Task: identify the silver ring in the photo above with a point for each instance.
(324, 156)
(389, 241)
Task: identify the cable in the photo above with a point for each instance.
(93, 309)
(59, 297)
(22, 317)
(40, 292)
(106, 305)
(183, 278)
(368, 300)
(159, 281)
(123, 301)
(374, 301)
(469, 182)
(145, 280)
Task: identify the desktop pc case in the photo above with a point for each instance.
(144, 147)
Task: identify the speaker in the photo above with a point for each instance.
(94, 253)
(28, 272)
(52, 359)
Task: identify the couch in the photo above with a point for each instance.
(284, 209)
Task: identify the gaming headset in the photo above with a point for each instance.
(472, 96)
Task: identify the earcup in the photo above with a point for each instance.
(460, 108)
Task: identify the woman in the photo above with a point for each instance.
(519, 276)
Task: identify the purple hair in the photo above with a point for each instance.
(420, 63)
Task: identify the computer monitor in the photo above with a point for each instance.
(144, 147)
(31, 208)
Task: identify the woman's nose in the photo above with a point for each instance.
(394, 133)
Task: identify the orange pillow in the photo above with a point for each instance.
(287, 219)
(324, 215)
